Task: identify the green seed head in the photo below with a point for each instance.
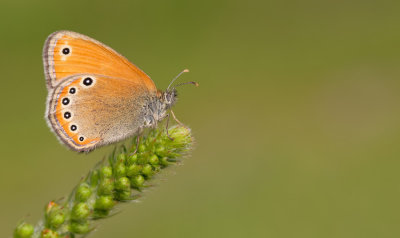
(80, 211)
(120, 170)
(123, 184)
(123, 195)
(154, 160)
(160, 150)
(106, 187)
(142, 159)
(181, 136)
(147, 170)
(51, 206)
(48, 233)
(132, 159)
(54, 216)
(106, 172)
(109, 183)
(164, 161)
(137, 181)
(104, 203)
(83, 193)
(121, 158)
(79, 227)
(133, 170)
(142, 148)
(56, 219)
(23, 230)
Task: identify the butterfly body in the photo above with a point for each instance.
(96, 96)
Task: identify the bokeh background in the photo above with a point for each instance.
(296, 117)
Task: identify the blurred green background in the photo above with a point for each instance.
(296, 117)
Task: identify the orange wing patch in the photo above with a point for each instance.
(67, 53)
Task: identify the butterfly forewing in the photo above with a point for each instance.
(68, 53)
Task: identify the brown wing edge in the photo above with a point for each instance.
(45, 57)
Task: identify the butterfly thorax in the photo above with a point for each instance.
(157, 108)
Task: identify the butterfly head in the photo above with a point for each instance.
(157, 109)
(169, 97)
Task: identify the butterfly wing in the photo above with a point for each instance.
(66, 53)
(89, 110)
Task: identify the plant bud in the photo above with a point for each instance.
(79, 227)
(47, 233)
(137, 181)
(132, 159)
(80, 211)
(164, 161)
(142, 148)
(160, 150)
(133, 170)
(106, 172)
(104, 203)
(181, 136)
(147, 170)
(83, 193)
(54, 215)
(154, 160)
(123, 184)
(123, 195)
(120, 170)
(56, 219)
(106, 187)
(121, 158)
(24, 230)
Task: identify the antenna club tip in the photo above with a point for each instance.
(196, 84)
(185, 71)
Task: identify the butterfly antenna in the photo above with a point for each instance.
(194, 83)
(183, 71)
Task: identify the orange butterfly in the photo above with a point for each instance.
(96, 96)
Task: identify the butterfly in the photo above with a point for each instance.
(95, 95)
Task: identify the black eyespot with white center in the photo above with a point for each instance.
(81, 138)
(73, 127)
(87, 81)
(72, 90)
(67, 115)
(66, 51)
(65, 101)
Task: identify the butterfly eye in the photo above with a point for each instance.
(67, 115)
(66, 51)
(88, 81)
(81, 138)
(74, 127)
(65, 101)
(72, 90)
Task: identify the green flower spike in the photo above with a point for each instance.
(120, 178)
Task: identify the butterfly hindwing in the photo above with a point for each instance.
(68, 53)
(90, 110)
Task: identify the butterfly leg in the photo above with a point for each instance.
(166, 127)
(137, 145)
(176, 119)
